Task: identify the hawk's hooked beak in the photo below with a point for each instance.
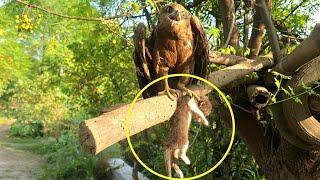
(178, 16)
(175, 16)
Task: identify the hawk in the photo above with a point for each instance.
(177, 44)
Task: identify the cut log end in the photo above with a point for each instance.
(259, 96)
(98, 133)
(86, 139)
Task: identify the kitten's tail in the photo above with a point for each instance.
(168, 160)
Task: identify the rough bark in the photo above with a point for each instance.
(246, 19)
(228, 20)
(229, 60)
(285, 161)
(257, 33)
(98, 133)
(306, 51)
(256, 36)
(264, 11)
(314, 103)
(277, 158)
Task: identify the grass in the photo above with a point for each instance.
(113, 151)
(34, 145)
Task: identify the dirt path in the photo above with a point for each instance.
(17, 164)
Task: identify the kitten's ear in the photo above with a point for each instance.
(201, 103)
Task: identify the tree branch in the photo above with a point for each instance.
(294, 9)
(257, 34)
(229, 60)
(230, 29)
(271, 31)
(99, 133)
(246, 19)
(126, 14)
(306, 51)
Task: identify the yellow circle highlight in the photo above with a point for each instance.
(129, 112)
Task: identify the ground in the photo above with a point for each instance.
(15, 161)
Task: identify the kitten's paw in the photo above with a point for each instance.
(206, 123)
(186, 160)
(178, 171)
(179, 174)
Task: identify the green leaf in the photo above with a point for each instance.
(275, 73)
(150, 2)
(277, 83)
(135, 7)
(232, 50)
(215, 32)
(286, 91)
(291, 90)
(297, 100)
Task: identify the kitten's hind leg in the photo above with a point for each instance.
(176, 153)
(184, 156)
(178, 170)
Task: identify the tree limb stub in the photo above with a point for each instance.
(259, 96)
(101, 132)
(227, 75)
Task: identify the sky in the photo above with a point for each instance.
(316, 17)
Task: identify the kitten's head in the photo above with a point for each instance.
(205, 105)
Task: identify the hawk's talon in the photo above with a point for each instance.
(171, 93)
(191, 93)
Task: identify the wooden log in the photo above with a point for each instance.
(229, 59)
(101, 132)
(98, 133)
(227, 75)
(306, 51)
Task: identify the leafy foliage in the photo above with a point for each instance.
(56, 72)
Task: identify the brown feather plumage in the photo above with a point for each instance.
(177, 44)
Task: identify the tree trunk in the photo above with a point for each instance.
(277, 158)
(229, 26)
(99, 133)
(257, 33)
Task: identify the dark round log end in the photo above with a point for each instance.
(86, 139)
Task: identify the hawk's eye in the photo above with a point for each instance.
(169, 9)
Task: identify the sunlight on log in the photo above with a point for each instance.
(101, 132)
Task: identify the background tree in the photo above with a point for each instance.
(57, 71)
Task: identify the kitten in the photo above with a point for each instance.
(178, 142)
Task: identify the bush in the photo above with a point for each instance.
(66, 161)
(33, 129)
